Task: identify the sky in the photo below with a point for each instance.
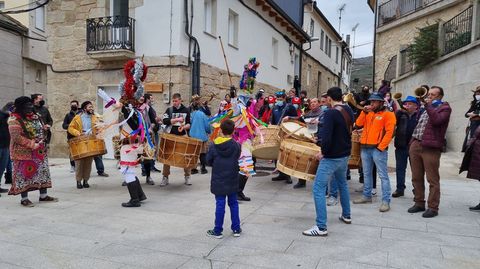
(356, 11)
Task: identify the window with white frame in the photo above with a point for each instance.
(38, 75)
(2, 4)
(336, 55)
(326, 44)
(210, 23)
(312, 27)
(321, 39)
(232, 28)
(275, 52)
(40, 18)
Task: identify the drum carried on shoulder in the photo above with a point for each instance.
(266, 144)
(179, 151)
(85, 146)
(298, 159)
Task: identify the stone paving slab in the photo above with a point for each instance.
(89, 229)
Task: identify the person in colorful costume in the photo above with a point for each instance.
(29, 153)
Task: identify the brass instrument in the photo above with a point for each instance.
(349, 98)
(397, 96)
(421, 93)
(397, 99)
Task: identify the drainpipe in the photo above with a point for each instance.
(195, 82)
(374, 42)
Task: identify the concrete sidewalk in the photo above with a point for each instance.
(89, 229)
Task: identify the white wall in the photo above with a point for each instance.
(315, 51)
(254, 38)
(11, 67)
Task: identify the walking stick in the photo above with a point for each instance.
(226, 63)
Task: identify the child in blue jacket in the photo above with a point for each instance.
(223, 157)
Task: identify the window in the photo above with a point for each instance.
(232, 28)
(336, 55)
(40, 18)
(321, 40)
(329, 48)
(38, 76)
(275, 52)
(210, 16)
(312, 27)
(2, 4)
(309, 73)
(326, 45)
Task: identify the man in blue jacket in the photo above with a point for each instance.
(281, 110)
(200, 129)
(336, 146)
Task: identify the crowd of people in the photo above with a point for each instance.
(417, 124)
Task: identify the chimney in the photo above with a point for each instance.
(348, 40)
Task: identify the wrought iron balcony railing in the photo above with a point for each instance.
(396, 9)
(110, 34)
(457, 32)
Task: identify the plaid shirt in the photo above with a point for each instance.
(420, 129)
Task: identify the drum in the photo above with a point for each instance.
(297, 158)
(86, 146)
(355, 161)
(116, 146)
(266, 144)
(179, 151)
(296, 130)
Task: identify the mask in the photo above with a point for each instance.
(324, 107)
(41, 103)
(270, 106)
(295, 106)
(477, 97)
(279, 103)
(74, 108)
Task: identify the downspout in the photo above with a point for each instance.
(195, 82)
(374, 42)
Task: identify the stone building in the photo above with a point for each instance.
(23, 51)
(90, 40)
(457, 65)
(325, 61)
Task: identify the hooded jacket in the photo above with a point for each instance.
(223, 157)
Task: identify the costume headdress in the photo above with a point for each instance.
(131, 89)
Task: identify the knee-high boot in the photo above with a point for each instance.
(133, 189)
(242, 180)
(141, 194)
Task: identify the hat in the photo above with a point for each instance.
(410, 99)
(296, 100)
(375, 97)
(21, 101)
(261, 90)
(280, 94)
(272, 99)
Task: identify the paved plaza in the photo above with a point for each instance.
(89, 229)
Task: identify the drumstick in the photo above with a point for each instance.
(288, 135)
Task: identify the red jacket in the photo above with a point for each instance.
(438, 118)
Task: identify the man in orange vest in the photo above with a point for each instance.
(378, 125)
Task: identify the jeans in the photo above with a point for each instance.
(333, 186)
(220, 212)
(334, 170)
(4, 160)
(371, 156)
(99, 164)
(401, 159)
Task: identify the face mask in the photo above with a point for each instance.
(324, 107)
(477, 97)
(279, 103)
(270, 105)
(295, 106)
(41, 103)
(74, 108)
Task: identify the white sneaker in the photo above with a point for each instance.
(332, 201)
(187, 181)
(315, 231)
(374, 191)
(359, 189)
(72, 169)
(164, 182)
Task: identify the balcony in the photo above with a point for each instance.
(396, 9)
(111, 38)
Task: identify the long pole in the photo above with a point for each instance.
(225, 58)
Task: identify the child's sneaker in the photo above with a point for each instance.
(236, 233)
(212, 233)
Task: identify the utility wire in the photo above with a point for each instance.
(25, 10)
(12, 8)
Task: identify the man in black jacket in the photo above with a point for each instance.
(406, 122)
(4, 142)
(46, 118)
(177, 120)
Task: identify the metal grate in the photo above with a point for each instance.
(405, 64)
(391, 71)
(457, 32)
(395, 9)
(111, 33)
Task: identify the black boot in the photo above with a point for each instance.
(242, 180)
(133, 190)
(203, 163)
(475, 208)
(8, 178)
(300, 184)
(141, 194)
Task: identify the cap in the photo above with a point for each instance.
(296, 100)
(410, 99)
(375, 97)
(280, 94)
(271, 100)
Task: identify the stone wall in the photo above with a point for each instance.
(391, 39)
(457, 74)
(327, 78)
